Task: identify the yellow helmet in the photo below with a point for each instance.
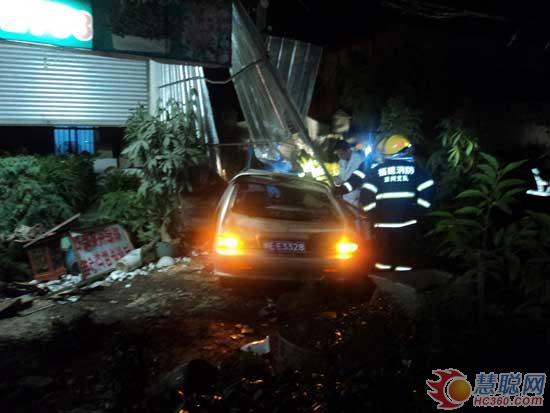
(394, 144)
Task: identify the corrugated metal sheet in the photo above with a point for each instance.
(297, 64)
(176, 82)
(276, 126)
(47, 86)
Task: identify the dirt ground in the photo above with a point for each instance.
(108, 351)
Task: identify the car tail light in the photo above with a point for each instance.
(228, 243)
(346, 248)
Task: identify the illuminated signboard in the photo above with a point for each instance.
(55, 22)
(187, 31)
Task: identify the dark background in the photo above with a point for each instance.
(489, 68)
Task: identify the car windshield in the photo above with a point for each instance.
(277, 201)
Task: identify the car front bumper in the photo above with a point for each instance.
(262, 266)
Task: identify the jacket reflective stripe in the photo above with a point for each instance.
(395, 224)
(423, 202)
(380, 266)
(541, 183)
(537, 193)
(387, 195)
(369, 206)
(403, 268)
(359, 174)
(425, 185)
(370, 187)
(348, 186)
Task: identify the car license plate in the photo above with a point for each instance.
(296, 247)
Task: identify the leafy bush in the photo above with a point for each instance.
(32, 191)
(165, 146)
(39, 190)
(454, 158)
(116, 180)
(31, 202)
(489, 245)
(131, 210)
(73, 177)
(398, 118)
(13, 168)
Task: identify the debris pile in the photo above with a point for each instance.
(69, 288)
(63, 283)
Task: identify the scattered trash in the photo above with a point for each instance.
(258, 347)
(235, 336)
(185, 260)
(66, 281)
(116, 276)
(130, 261)
(93, 286)
(119, 276)
(73, 298)
(247, 330)
(165, 262)
(128, 285)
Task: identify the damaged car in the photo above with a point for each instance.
(281, 227)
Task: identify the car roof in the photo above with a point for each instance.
(269, 177)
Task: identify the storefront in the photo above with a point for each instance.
(60, 91)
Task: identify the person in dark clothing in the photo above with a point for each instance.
(395, 194)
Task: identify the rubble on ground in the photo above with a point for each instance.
(69, 288)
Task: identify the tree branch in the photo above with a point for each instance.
(436, 11)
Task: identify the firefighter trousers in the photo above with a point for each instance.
(396, 248)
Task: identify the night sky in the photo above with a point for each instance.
(487, 57)
(493, 63)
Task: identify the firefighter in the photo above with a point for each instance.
(348, 161)
(395, 193)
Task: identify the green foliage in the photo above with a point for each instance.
(39, 190)
(116, 180)
(455, 157)
(44, 190)
(165, 146)
(129, 209)
(398, 118)
(467, 228)
(488, 243)
(32, 202)
(73, 177)
(12, 168)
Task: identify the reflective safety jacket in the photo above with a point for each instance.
(394, 193)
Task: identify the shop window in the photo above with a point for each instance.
(74, 140)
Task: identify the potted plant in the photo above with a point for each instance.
(165, 146)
